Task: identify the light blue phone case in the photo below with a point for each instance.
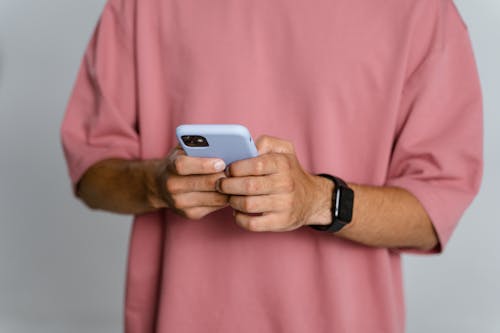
(228, 142)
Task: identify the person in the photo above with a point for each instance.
(381, 94)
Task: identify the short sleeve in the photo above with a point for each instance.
(100, 120)
(438, 153)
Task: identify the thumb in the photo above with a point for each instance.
(268, 144)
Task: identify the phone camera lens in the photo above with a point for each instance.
(194, 141)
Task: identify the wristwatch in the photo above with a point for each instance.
(342, 205)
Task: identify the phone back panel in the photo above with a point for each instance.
(228, 142)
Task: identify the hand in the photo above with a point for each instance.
(187, 184)
(275, 186)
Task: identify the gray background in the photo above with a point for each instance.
(62, 267)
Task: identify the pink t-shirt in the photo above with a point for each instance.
(376, 92)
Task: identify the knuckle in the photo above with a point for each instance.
(174, 201)
(265, 140)
(193, 214)
(222, 199)
(178, 164)
(285, 162)
(259, 166)
(209, 182)
(263, 143)
(239, 220)
(179, 203)
(248, 205)
(288, 185)
(233, 201)
(218, 199)
(278, 161)
(172, 185)
(251, 186)
(256, 225)
(288, 203)
(237, 203)
(252, 225)
(189, 214)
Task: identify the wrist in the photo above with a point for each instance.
(321, 203)
(154, 173)
(342, 204)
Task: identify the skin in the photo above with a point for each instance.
(271, 192)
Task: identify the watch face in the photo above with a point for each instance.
(346, 203)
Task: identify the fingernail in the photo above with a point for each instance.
(219, 165)
(227, 172)
(217, 185)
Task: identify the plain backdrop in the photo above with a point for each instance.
(62, 267)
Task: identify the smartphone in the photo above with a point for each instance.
(228, 142)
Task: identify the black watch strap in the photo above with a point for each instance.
(342, 205)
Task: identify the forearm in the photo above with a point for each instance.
(121, 186)
(389, 217)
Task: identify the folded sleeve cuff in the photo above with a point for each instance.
(444, 207)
